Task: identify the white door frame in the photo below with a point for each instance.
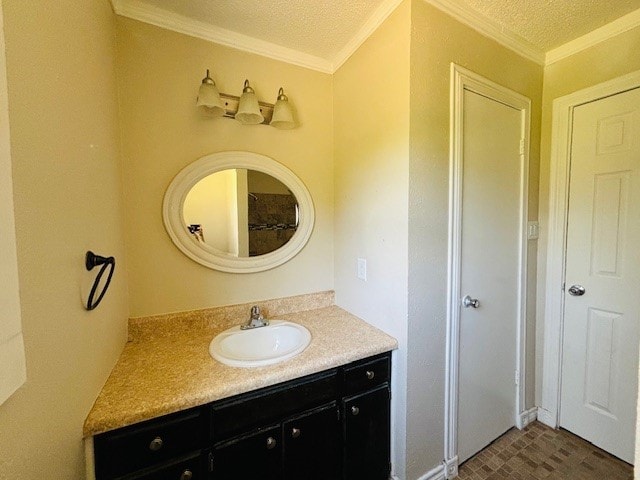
(461, 80)
(549, 411)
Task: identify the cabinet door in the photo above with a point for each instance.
(255, 456)
(312, 445)
(366, 435)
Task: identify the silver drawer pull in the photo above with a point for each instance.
(355, 410)
(156, 444)
(370, 374)
(186, 475)
(295, 432)
(271, 443)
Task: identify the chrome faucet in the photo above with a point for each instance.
(256, 320)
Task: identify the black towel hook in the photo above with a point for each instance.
(93, 260)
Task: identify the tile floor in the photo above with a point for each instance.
(539, 452)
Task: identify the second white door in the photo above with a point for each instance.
(602, 313)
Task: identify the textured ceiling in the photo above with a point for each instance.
(316, 27)
(322, 28)
(548, 24)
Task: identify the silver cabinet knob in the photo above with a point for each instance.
(370, 374)
(295, 432)
(186, 475)
(355, 410)
(576, 290)
(467, 301)
(271, 443)
(156, 444)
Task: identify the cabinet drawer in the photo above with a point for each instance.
(149, 443)
(250, 411)
(190, 467)
(367, 375)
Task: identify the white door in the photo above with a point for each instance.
(600, 346)
(490, 268)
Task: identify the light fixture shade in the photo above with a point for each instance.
(209, 97)
(282, 113)
(248, 108)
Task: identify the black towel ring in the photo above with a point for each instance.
(93, 260)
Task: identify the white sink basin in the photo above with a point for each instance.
(261, 346)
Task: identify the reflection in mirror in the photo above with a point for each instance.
(244, 213)
(261, 206)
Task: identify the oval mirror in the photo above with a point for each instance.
(238, 212)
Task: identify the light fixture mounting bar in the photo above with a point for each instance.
(231, 107)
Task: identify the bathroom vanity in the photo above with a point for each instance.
(169, 411)
(329, 425)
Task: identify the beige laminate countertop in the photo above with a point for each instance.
(170, 370)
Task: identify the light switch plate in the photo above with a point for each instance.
(362, 269)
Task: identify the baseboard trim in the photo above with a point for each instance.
(526, 417)
(546, 417)
(451, 467)
(437, 473)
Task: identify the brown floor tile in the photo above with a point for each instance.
(541, 453)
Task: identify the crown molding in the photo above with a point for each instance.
(621, 25)
(491, 29)
(146, 13)
(381, 13)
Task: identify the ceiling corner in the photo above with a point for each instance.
(611, 29)
(143, 12)
(376, 19)
(491, 29)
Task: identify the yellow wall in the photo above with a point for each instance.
(436, 41)
(13, 368)
(159, 72)
(605, 61)
(371, 135)
(213, 204)
(67, 193)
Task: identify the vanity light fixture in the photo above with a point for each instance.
(209, 97)
(246, 108)
(282, 113)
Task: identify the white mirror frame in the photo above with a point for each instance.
(173, 217)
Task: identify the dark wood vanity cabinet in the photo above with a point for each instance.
(334, 425)
(303, 447)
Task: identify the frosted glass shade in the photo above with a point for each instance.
(209, 97)
(248, 108)
(282, 113)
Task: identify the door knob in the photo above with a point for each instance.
(295, 432)
(467, 301)
(576, 290)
